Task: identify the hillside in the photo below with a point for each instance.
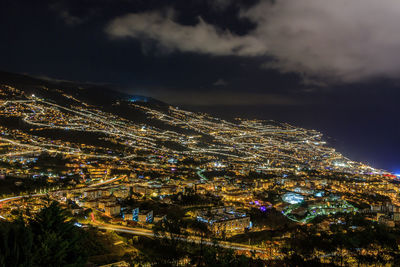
(40, 112)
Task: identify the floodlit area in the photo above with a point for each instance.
(292, 198)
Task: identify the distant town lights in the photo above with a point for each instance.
(340, 164)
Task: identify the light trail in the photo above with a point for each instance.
(192, 239)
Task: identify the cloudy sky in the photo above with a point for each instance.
(311, 62)
(195, 51)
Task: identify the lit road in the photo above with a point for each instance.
(19, 197)
(41, 195)
(190, 239)
(197, 240)
(108, 181)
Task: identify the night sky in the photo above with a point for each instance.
(333, 66)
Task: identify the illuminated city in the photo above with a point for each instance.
(163, 139)
(225, 175)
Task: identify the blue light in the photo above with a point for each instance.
(135, 215)
(139, 99)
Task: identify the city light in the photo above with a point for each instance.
(292, 198)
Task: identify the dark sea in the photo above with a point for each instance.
(368, 135)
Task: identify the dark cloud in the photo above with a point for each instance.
(221, 4)
(340, 41)
(64, 13)
(220, 82)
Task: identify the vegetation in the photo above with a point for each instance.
(172, 251)
(16, 185)
(189, 198)
(358, 241)
(48, 239)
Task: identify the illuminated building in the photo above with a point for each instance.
(224, 220)
(112, 210)
(146, 216)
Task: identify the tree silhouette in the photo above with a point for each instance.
(16, 243)
(48, 239)
(57, 239)
(170, 231)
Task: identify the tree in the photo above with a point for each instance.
(57, 240)
(47, 239)
(170, 231)
(202, 230)
(16, 243)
